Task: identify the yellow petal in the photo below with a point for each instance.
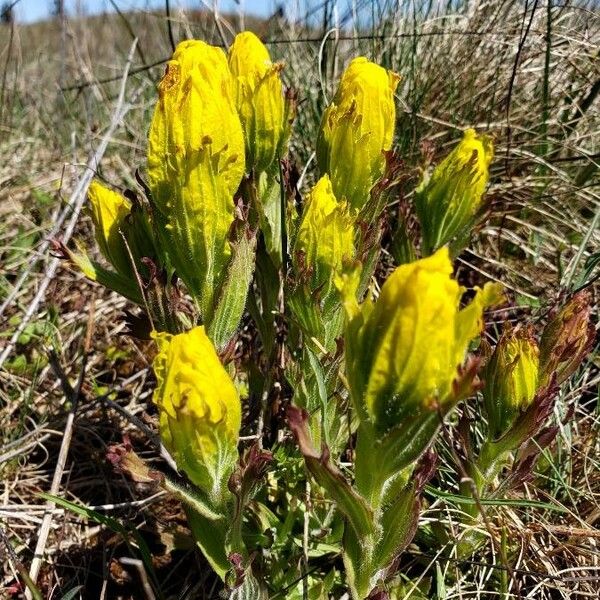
(259, 100)
(356, 128)
(199, 408)
(195, 165)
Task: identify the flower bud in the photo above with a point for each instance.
(109, 211)
(195, 165)
(511, 379)
(259, 99)
(356, 128)
(325, 237)
(447, 202)
(404, 352)
(199, 408)
(122, 231)
(567, 339)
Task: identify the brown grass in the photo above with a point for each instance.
(485, 69)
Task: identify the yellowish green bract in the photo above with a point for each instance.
(403, 352)
(259, 100)
(199, 408)
(195, 165)
(356, 129)
(325, 235)
(448, 201)
(511, 378)
(109, 211)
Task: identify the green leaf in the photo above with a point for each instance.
(268, 202)
(402, 246)
(268, 284)
(232, 298)
(440, 582)
(72, 593)
(109, 279)
(591, 265)
(306, 312)
(398, 525)
(328, 476)
(381, 456)
(192, 499)
(211, 537)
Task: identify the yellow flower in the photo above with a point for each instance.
(199, 408)
(404, 352)
(259, 100)
(511, 379)
(448, 202)
(324, 244)
(122, 232)
(195, 165)
(325, 235)
(109, 211)
(356, 128)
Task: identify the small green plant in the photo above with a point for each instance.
(360, 373)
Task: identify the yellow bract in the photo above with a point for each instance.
(195, 165)
(511, 378)
(522, 354)
(199, 408)
(404, 351)
(109, 211)
(259, 100)
(325, 234)
(448, 201)
(356, 128)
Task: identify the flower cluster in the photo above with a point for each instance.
(350, 347)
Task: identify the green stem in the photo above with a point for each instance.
(367, 472)
(358, 559)
(211, 537)
(482, 473)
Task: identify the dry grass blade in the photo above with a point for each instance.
(120, 111)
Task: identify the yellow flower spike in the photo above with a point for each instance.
(199, 408)
(403, 353)
(109, 211)
(260, 100)
(325, 235)
(124, 236)
(511, 379)
(195, 165)
(447, 203)
(356, 129)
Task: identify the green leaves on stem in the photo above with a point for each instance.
(380, 522)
